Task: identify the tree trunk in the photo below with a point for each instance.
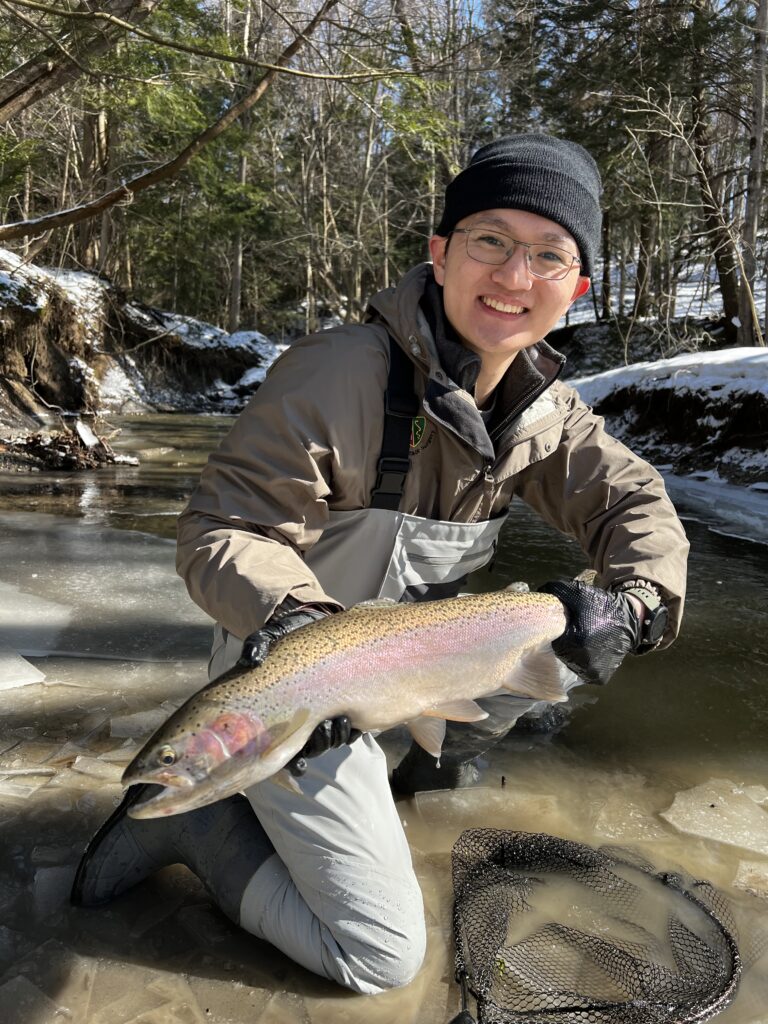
(718, 233)
(749, 331)
(236, 280)
(605, 285)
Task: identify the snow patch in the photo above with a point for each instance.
(722, 372)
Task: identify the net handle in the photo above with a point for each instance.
(464, 1016)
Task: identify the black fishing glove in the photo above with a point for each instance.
(603, 627)
(257, 646)
(331, 732)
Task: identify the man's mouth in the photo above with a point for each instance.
(502, 307)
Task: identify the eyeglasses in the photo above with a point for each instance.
(494, 247)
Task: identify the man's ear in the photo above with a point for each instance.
(582, 286)
(437, 244)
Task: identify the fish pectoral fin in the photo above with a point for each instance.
(463, 710)
(428, 733)
(541, 674)
(298, 721)
(286, 780)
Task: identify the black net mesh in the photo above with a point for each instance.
(551, 930)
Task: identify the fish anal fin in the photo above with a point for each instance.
(428, 733)
(375, 602)
(463, 710)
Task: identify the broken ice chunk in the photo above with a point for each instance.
(121, 755)
(21, 788)
(752, 877)
(722, 811)
(95, 767)
(23, 1002)
(17, 671)
(140, 723)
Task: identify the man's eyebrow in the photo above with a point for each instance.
(550, 236)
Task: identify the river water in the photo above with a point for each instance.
(111, 644)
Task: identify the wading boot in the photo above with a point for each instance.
(223, 844)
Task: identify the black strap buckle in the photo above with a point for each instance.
(390, 481)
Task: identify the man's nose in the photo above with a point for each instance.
(514, 274)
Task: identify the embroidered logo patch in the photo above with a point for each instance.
(418, 426)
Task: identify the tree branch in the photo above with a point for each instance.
(55, 67)
(201, 51)
(125, 192)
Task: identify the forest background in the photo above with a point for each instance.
(233, 160)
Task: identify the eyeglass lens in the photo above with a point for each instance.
(544, 260)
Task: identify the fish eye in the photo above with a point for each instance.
(166, 756)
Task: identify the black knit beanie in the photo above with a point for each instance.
(552, 177)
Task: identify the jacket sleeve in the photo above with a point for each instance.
(303, 443)
(614, 504)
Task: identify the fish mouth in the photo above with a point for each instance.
(161, 797)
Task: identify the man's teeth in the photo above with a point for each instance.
(502, 307)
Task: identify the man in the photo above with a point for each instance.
(379, 460)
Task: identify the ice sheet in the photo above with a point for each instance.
(58, 592)
(723, 811)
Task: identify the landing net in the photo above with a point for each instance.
(549, 930)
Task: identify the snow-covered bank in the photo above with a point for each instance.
(72, 341)
(702, 419)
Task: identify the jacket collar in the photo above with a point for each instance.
(413, 313)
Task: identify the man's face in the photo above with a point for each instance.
(498, 310)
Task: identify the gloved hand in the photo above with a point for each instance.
(602, 629)
(285, 619)
(331, 732)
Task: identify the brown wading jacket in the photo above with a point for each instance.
(310, 439)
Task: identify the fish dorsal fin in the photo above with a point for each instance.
(375, 602)
(462, 710)
(518, 587)
(300, 718)
(428, 733)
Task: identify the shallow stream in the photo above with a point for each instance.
(111, 644)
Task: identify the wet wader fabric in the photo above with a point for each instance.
(339, 896)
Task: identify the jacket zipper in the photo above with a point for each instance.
(488, 481)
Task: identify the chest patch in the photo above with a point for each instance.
(418, 426)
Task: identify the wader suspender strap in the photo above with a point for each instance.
(400, 406)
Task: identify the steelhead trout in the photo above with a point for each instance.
(381, 663)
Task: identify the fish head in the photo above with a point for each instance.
(197, 759)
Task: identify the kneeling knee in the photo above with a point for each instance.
(395, 962)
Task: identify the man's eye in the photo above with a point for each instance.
(553, 256)
(492, 241)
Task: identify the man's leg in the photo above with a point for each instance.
(339, 895)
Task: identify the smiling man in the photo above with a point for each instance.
(379, 460)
